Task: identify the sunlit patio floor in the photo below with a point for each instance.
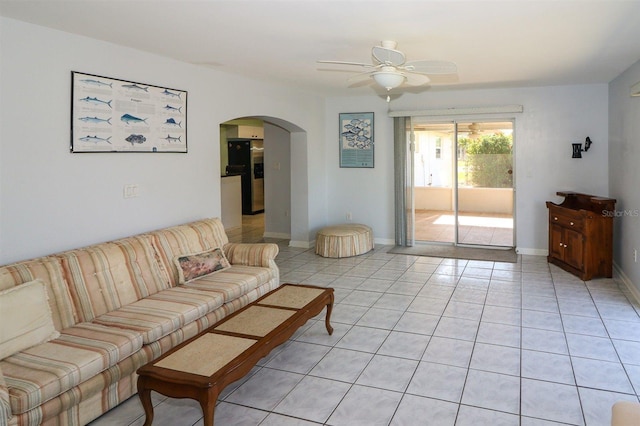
(489, 229)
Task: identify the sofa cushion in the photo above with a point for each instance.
(49, 270)
(5, 406)
(196, 265)
(163, 313)
(110, 275)
(192, 237)
(114, 344)
(26, 319)
(235, 281)
(42, 372)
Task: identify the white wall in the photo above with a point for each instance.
(366, 193)
(53, 200)
(277, 173)
(624, 172)
(553, 118)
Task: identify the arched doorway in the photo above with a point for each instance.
(284, 173)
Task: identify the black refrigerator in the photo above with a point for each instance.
(248, 155)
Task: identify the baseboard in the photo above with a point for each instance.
(633, 290)
(532, 251)
(384, 241)
(302, 244)
(278, 235)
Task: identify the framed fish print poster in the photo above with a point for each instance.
(356, 139)
(111, 115)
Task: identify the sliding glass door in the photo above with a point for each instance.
(460, 182)
(434, 181)
(485, 183)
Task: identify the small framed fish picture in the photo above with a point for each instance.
(111, 115)
(356, 140)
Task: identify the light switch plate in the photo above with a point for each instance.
(130, 190)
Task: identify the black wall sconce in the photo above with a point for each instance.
(577, 148)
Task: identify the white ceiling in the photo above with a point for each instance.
(495, 43)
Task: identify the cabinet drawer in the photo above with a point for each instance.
(567, 222)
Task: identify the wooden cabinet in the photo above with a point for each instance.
(581, 234)
(245, 132)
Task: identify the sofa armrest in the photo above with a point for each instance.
(5, 405)
(255, 254)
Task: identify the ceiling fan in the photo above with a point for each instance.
(390, 69)
(474, 130)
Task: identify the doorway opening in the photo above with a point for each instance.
(274, 210)
(242, 174)
(461, 175)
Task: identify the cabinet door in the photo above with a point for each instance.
(556, 245)
(574, 248)
(250, 132)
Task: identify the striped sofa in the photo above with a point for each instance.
(116, 306)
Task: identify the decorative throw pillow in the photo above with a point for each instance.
(196, 265)
(26, 318)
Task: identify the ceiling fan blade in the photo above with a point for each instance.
(414, 79)
(431, 67)
(348, 63)
(359, 77)
(390, 69)
(388, 56)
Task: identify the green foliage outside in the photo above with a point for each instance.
(488, 160)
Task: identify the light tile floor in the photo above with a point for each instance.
(429, 341)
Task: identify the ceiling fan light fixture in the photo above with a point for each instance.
(389, 68)
(389, 79)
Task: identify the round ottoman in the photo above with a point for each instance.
(625, 413)
(350, 239)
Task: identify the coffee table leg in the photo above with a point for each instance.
(208, 404)
(208, 415)
(328, 317)
(145, 398)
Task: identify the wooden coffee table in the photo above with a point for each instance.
(201, 367)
